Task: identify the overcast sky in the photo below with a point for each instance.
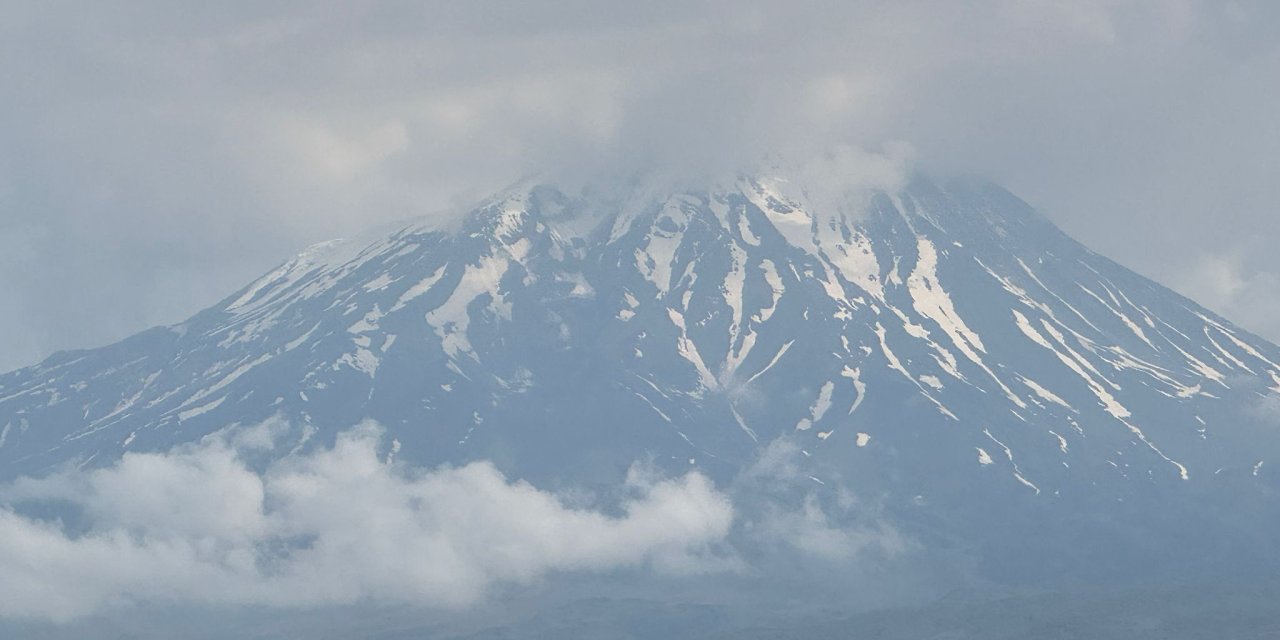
(155, 156)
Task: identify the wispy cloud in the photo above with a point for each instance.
(803, 513)
(1227, 283)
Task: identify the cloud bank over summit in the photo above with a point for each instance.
(155, 156)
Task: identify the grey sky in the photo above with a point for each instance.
(154, 156)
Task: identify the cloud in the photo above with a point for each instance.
(232, 522)
(1227, 283)
(811, 530)
(819, 519)
(1267, 409)
(843, 178)
(198, 525)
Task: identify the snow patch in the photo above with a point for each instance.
(984, 458)
(1062, 442)
(776, 289)
(932, 381)
(1044, 393)
(932, 301)
(451, 319)
(418, 289)
(379, 283)
(819, 408)
(855, 376)
(183, 416)
(776, 357)
(689, 351)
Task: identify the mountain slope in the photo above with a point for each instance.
(942, 348)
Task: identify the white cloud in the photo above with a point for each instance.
(214, 524)
(197, 525)
(843, 178)
(810, 529)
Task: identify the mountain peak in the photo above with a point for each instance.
(927, 341)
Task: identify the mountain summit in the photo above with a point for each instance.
(940, 348)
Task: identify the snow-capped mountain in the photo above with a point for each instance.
(940, 347)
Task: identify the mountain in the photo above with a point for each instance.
(940, 348)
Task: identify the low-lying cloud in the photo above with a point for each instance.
(232, 521)
(788, 511)
(198, 525)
